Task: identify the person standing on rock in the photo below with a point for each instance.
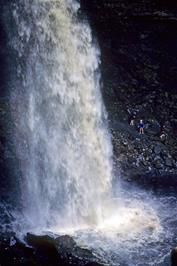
(132, 120)
(141, 127)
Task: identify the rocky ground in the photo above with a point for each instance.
(139, 70)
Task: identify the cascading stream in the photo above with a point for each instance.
(61, 138)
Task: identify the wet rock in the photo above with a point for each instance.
(158, 163)
(157, 149)
(65, 242)
(17, 254)
(174, 257)
(68, 247)
(62, 249)
(42, 243)
(45, 251)
(167, 127)
(169, 162)
(153, 127)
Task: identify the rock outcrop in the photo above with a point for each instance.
(44, 251)
(139, 73)
(174, 257)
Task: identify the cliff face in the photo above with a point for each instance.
(139, 69)
(9, 169)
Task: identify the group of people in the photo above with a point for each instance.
(141, 125)
(163, 131)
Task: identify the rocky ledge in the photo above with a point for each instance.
(45, 251)
(150, 155)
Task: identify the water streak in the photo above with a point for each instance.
(61, 138)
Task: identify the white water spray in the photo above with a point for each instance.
(61, 139)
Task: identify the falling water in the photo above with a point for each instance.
(61, 138)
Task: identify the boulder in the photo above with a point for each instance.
(62, 250)
(68, 248)
(42, 243)
(65, 245)
(158, 163)
(153, 127)
(157, 149)
(174, 257)
(16, 254)
(169, 162)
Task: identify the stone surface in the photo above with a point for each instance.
(45, 251)
(157, 149)
(174, 257)
(138, 68)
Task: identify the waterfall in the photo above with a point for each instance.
(61, 137)
(59, 146)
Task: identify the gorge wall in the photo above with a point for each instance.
(139, 70)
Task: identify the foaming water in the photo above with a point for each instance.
(124, 218)
(141, 232)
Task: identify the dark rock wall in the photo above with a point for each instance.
(9, 166)
(139, 69)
